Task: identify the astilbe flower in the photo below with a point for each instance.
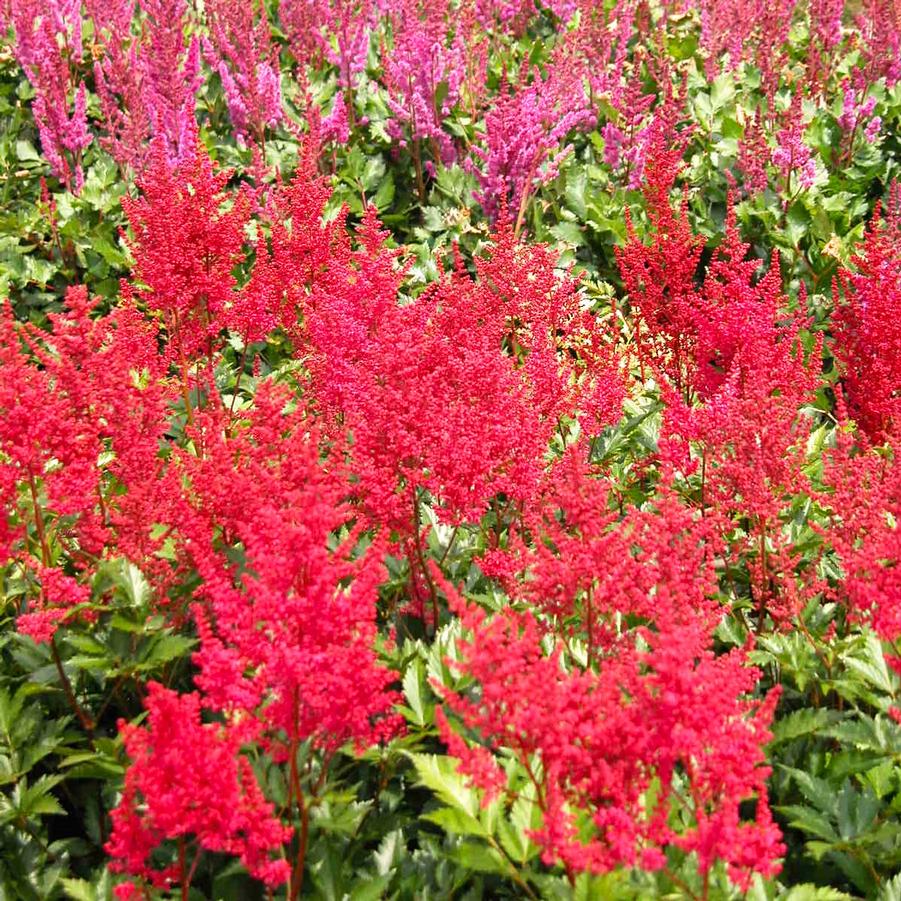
(339, 30)
(48, 47)
(288, 635)
(188, 782)
(879, 25)
(602, 40)
(524, 134)
(505, 16)
(862, 495)
(458, 392)
(826, 34)
(659, 277)
(171, 75)
(113, 375)
(146, 84)
(866, 329)
(754, 155)
(112, 16)
(653, 707)
(857, 112)
(240, 50)
(48, 475)
(734, 377)
(423, 75)
(746, 30)
(752, 379)
(186, 243)
(791, 156)
(67, 397)
(301, 248)
(119, 83)
(579, 558)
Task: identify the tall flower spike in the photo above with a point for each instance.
(240, 50)
(524, 135)
(186, 244)
(48, 47)
(867, 331)
(188, 782)
(171, 70)
(423, 75)
(660, 710)
(311, 672)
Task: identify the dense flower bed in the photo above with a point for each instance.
(448, 449)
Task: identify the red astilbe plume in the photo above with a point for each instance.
(288, 633)
(457, 393)
(567, 355)
(863, 497)
(660, 277)
(586, 560)
(188, 782)
(733, 374)
(188, 238)
(299, 255)
(92, 386)
(867, 329)
(110, 369)
(748, 434)
(48, 477)
(660, 723)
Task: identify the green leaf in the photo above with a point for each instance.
(801, 722)
(26, 152)
(456, 822)
(809, 820)
(413, 685)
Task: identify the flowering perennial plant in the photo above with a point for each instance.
(450, 448)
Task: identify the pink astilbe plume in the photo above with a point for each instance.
(188, 782)
(146, 83)
(287, 636)
(791, 155)
(746, 30)
(240, 50)
(524, 135)
(423, 75)
(867, 329)
(171, 74)
(48, 47)
(505, 16)
(119, 83)
(313, 25)
(879, 24)
(111, 16)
